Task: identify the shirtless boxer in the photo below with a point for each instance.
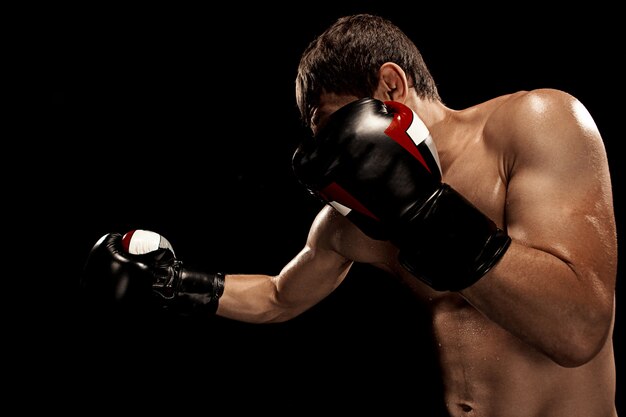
(514, 256)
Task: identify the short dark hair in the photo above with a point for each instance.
(346, 57)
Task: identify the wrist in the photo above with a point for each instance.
(199, 292)
(449, 243)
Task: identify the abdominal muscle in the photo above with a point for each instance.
(487, 372)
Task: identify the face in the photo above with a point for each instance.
(328, 104)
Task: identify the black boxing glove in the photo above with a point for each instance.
(377, 161)
(140, 270)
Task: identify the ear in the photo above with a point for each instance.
(392, 83)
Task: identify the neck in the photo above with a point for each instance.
(433, 113)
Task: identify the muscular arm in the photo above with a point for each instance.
(554, 288)
(309, 277)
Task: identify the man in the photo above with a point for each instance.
(504, 228)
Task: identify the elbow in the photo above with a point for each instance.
(581, 344)
(576, 354)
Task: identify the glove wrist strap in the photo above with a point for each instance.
(448, 242)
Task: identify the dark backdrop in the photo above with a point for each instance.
(182, 120)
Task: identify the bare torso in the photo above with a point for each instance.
(531, 338)
(491, 373)
(486, 370)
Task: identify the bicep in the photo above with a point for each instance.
(316, 270)
(309, 277)
(559, 193)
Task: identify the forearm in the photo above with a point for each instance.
(250, 298)
(303, 282)
(542, 300)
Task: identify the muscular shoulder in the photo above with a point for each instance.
(540, 122)
(538, 108)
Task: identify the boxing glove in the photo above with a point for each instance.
(377, 163)
(140, 270)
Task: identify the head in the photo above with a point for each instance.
(346, 60)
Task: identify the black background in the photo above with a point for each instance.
(182, 120)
